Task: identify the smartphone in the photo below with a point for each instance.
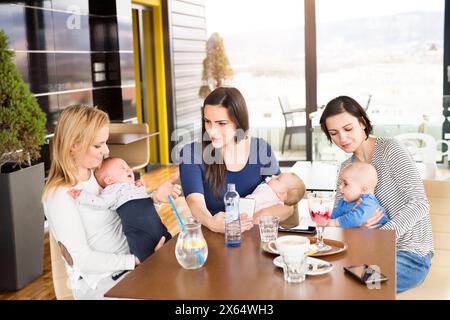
(299, 229)
(365, 274)
(247, 206)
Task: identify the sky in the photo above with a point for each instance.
(232, 16)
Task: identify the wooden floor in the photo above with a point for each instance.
(42, 288)
(39, 289)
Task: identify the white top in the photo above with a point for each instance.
(264, 197)
(94, 238)
(112, 197)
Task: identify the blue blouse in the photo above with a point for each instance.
(261, 164)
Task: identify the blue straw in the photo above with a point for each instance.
(183, 226)
(176, 212)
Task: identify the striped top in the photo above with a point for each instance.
(400, 191)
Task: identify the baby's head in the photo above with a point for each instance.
(288, 187)
(357, 178)
(114, 170)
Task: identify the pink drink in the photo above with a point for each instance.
(320, 217)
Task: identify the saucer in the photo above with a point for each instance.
(336, 247)
(278, 261)
(270, 247)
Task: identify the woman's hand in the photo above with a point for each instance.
(246, 222)
(160, 243)
(136, 261)
(279, 210)
(216, 222)
(257, 216)
(372, 223)
(166, 188)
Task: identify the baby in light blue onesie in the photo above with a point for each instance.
(358, 202)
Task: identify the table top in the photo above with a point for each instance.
(317, 175)
(126, 138)
(248, 272)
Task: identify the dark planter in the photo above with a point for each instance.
(21, 226)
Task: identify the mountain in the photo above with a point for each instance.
(275, 50)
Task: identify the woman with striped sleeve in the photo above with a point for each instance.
(400, 188)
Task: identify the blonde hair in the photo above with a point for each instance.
(296, 189)
(77, 124)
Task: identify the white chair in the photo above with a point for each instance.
(423, 149)
(61, 282)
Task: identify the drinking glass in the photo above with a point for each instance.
(320, 204)
(268, 228)
(293, 252)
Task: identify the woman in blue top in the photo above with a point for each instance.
(226, 155)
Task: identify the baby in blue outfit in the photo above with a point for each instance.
(358, 202)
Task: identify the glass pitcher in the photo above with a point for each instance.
(191, 249)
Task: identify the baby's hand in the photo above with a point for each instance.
(333, 223)
(139, 183)
(357, 204)
(74, 193)
(167, 187)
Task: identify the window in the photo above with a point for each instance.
(388, 55)
(264, 41)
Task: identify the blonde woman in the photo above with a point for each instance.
(98, 253)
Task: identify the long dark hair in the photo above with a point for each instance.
(231, 99)
(345, 104)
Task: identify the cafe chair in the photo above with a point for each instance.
(136, 154)
(294, 120)
(423, 150)
(324, 150)
(366, 108)
(61, 281)
(437, 283)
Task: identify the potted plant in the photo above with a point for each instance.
(22, 132)
(216, 67)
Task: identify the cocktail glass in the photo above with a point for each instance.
(320, 205)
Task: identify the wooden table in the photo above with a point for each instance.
(248, 272)
(126, 138)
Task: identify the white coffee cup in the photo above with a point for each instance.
(292, 245)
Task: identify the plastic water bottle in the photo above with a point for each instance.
(232, 221)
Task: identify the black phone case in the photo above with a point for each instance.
(310, 230)
(362, 280)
